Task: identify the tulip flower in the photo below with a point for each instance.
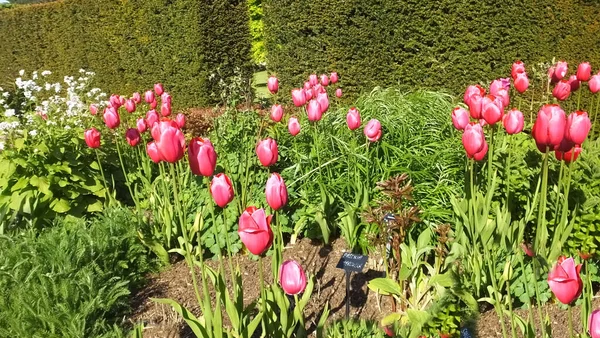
(273, 84)
(291, 277)
(324, 80)
(149, 96)
(513, 122)
(323, 100)
(111, 118)
(373, 130)
(473, 139)
(255, 230)
(333, 77)
(565, 282)
(202, 156)
(298, 97)
(158, 89)
(562, 90)
(568, 156)
(141, 125)
(314, 111)
(319, 89)
(491, 109)
(521, 82)
(551, 71)
(180, 120)
(475, 106)
(122, 100)
(169, 141)
(93, 109)
(115, 101)
(276, 113)
(293, 126)
(460, 118)
(479, 156)
(165, 97)
(151, 118)
(307, 85)
(153, 104)
(594, 324)
(276, 192)
(584, 71)
(578, 126)
(153, 153)
(574, 83)
(527, 249)
(594, 83)
(517, 68)
(472, 91)
(353, 119)
(137, 98)
(313, 79)
(560, 70)
(267, 152)
(221, 190)
(132, 136)
(498, 85)
(549, 127)
(130, 106)
(308, 94)
(338, 93)
(92, 138)
(165, 109)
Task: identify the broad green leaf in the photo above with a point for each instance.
(60, 205)
(96, 206)
(446, 280)
(384, 286)
(391, 319)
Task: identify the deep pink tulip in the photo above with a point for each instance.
(137, 98)
(565, 282)
(521, 82)
(165, 97)
(165, 109)
(492, 109)
(338, 93)
(307, 85)
(153, 104)
(93, 109)
(504, 97)
(373, 130)
(180, 120)
(560, 71)
(471, 91)
(221, 190)
(298, 97)
(111, 118)
(353, 119)
(141, 125)
(255, 230)
(132, 136)
(594, 324)
(594, 83)
(574, 83)
(152, 151)
(517, 68)
(549, 128)
(313, 79)
(151, 118)
(314, 111)
(130, 106)
(578, 126)
(308, 94)
(334, 77)
(551, 71)
(92, 138)
(276, 192)
(276, 113)
(460, 118)
(122, 100)
(158, 89)
(584, 71)
(513, 121)
(115, 101)
(569, 156)
(527, 249)
(323, 100)
(499, 84)
(169, 140)
(273, 84)
(202, 156)
(324, 80)
(267, 152)
(481, 154)
(562, 90)
(293, 126)
(292, 278)
(475, 106)
(149, 96)
(473, 139)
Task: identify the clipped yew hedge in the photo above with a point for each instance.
(437, 44)
(131, 44)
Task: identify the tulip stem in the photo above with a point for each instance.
(560, 185)
(595, 116)
(579, 98)
(510, 309)
(508, 171)
(178, 205)
(541, 231)
(127, 183)
(106, 192)
(262, 296)
(537, 297)
(565, 207)
(498, 305)
(530, 318)
(571, 321)
(316, 142)
(491, 157)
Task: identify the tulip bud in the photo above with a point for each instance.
(122, 100)
(130, 106)
(475, 106)
(479, 156)
(158, 89)
(473, 139)
(549, 128)
(314, 111)
(111, 118)
(165, 109)
(594, 83)
(333, 77)
(298, 97)
(308, 94)
(527, 249)
(338, 93)
(561, 70)
(353, 119)
(513, 122)
(565, 282)
(471, 91)
(578, 126)
(153, 104)
(276, 113)
(373, 130)
(562, 90)
(169, 141)
(307, 85)
(324, 80)
(292, 278)
(491, 109)
(202, 156)
(92, 138)
(594, 324)
(93, 109)
(115, 101)
(132, 136)
(267, 152)
(517, 68)
(221, 190)
(149, 96)
(276, 192)
(255, 230)
(521, 82)
(165, 97)
(180, 120)
(584, 71)
(293, 126)
(568, 156)
(137, 98)
(498, 85)
(460, 118)
(153, 153)
(273, 84)
(141, 125)
(313, 80)
(151, 118)
(323, 100)
(574, 83)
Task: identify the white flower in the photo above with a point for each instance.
(34, 76)
(1, 145)
(67, 127)
(22, 72)
(46, 73)
(34, 132)
(9, 113)
(82, 70)
(6, 94)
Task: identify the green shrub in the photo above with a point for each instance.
(72, 280)
(441, 45)
(132, 44)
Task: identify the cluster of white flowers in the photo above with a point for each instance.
(7, 126)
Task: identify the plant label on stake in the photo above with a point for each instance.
(351, 263)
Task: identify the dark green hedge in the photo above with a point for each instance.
(131, 44)
(437, 44)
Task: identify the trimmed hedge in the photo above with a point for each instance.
(131, 44)
(435, 44)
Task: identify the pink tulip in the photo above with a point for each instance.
(594, 83)
(180, 120)
(293, 126)
(130, 106)
(165, 109)
(202, 156)
(498, 85)
(276, 192)
(504, 97)
(334, 77)
(549, 128)
(578, 126)
(565, 282)
(517, 68)
(473, 139)
(132, 136)
(313, 79)
(276, 113)
(267, 152)
(475, 106)
(574, 83)
(324, 80)
(111, 118)
(165, 97)
(319, 89)
(151, 118)
(149, 96)
(521, 82)
(584, 71)
(314, 111)
(137, 98)
(338, 93)
(561, 70)
(153, 104)
(551, 71)
(569, 156)
(323, 100)
(169, 140)
(373, 130)
(562, 90)
(472, 91)
(594, 324)
(221, 190)
(273, 84)
(307, 85)
(513, 121)
(491, 109)
(481, 154)
(460, 118)
(353, 119)
(298, 97)
(255, 230)
(153, 153)
(93, 109)
(158, 89)
(527, 249)
(308, 94)
(92, 138)
(115, 101)
(122, 100)
(292, 278)
(141, 125)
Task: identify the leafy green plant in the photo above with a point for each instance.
(352, 328)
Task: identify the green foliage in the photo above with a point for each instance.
(441, 45)
(132, 44)
(257, 31)
(71, 280)
(351, 328)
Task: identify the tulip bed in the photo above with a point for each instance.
(499, 226)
